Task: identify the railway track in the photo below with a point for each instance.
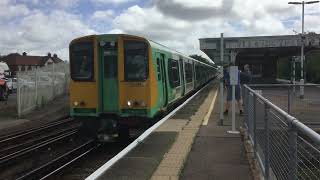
(30, 154)
(33, 131)
(60, 162)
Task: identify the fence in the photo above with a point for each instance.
(284, 147)
(287, 97)
(38, 86)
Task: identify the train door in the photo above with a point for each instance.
(110, 85)
(162, 78)
(182, 76)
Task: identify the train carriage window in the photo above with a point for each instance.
(158, 69)
(174, 78)
(135, 60)
(81, 61)
(188, 67)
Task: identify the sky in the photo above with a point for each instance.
(41, 26)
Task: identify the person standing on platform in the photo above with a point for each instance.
(245, 76)
(229, 91)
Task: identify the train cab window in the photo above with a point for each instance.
(81, 61)
(110, 54)
(135, 60)
(174, 73)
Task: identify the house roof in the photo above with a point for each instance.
(17, 59)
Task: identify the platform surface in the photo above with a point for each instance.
(215, 154)
(165, 154)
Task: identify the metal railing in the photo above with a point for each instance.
(287, 97)
(38, 86)
(284, 147)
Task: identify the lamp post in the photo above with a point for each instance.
(302, 43)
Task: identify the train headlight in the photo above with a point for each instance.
(129, 103)
(75, 103)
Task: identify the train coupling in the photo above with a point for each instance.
(102, 137)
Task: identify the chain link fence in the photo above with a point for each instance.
(38, 86)
(284, 147)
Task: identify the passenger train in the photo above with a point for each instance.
(119, 81)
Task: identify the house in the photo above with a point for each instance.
(14, 60)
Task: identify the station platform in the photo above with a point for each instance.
(217, 154)
(9, 122)
(189, 145)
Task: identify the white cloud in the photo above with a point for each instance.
(202, 3)
(175, 23)
(55, 4)
(103, 15)
(116, 2)
(180, 23)
(39, 33)
(8, 10)
(66, 3)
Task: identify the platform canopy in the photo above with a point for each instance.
(257, 46)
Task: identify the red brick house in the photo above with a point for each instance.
(25, 61)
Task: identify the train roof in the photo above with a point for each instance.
(165, 48)
(153, 44)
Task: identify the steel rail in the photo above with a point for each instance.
(136, 142)
(33, 130)
(82, 150)
(17, 154)
(16, 147)
(71, 161)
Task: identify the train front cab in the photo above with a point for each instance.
(113, 78)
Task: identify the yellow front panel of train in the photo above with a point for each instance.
(83, 95)
(134, 94)
(84, 70)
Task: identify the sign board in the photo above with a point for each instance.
(234, 75)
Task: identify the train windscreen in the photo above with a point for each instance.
(81, 61)
(135, 60)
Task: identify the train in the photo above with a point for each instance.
(120, 81)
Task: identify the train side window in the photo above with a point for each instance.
(158, 69)
(174, 78)
(135, 60)
(188, 67)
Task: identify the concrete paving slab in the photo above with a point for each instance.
(144, 159)
(132, 168)
(154, 146)
(165, 178)
(215, 154)
(173, 125)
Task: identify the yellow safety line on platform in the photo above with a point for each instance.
(206, 118)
